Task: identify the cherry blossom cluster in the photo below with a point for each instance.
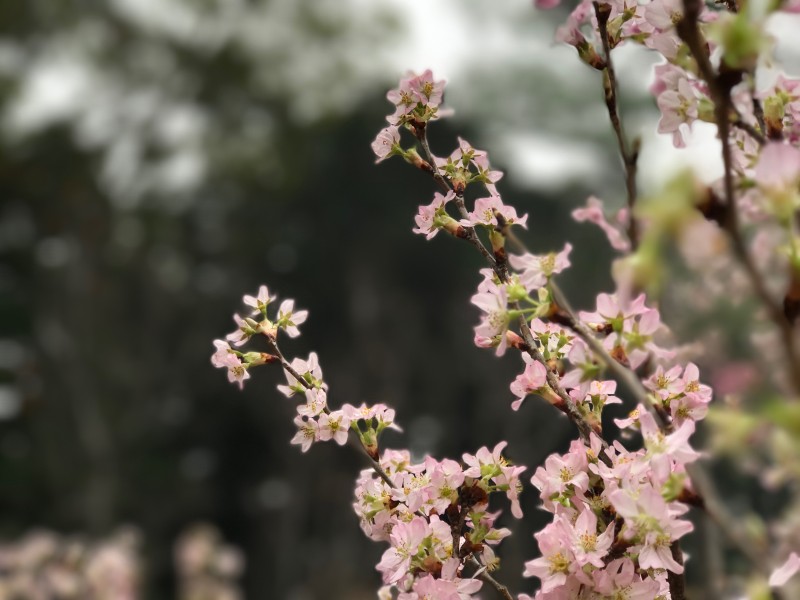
(618, 512)
(616, 515)
(435, 516)
(238, 363)
(315, 421)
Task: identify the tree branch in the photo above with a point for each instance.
(483, 575)
(629, 155)
(720, 89)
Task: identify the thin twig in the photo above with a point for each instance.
(353, 438)
(677, 581)
(472, 237)
(500, 269)
(483, 575)
(758, 109)
(629, 154)
(689, 32)
(701, 481)
(740, 123)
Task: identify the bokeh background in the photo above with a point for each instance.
(160, 158)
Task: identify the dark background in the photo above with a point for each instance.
(196, 164)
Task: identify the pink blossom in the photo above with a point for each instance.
(663, 14)
(403, 98)
(562, 474)
(219, 358)
(335, 426)
(537, 270)
(587, 547)
(405, 539)
(417, 95)
(430, 217)
(486, 174)
(446, 477)
(529, 381)
(237, 370)
(428, 91)
(308, 369)
(316, 401)
(378, 412)
(619, 580)
(653, 523)
(495, 321)
(678, 107)
(666, 383)
(593, 212)
(488, 209)
(461, 162)
(508, 480)
(465, 587)
(614, 312)
(246, 329)
(570, 32)
(778, 167)
(663, 449)
(260, 302)
(387, 142)
(557, 560)
(786, 571)
(435, 589)
(485, 463)
(307, 432)
(288, 320)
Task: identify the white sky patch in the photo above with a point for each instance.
(547, 163)
(437, 37)
(786, 28)
(55, 89)
(661, 161)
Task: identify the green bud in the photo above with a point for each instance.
(742, 40)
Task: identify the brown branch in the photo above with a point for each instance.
(720, 88)
(501, 270)
(701, 481)
(353, 438)
(485, 577)
(629, 155)
(446, 186)
(740, 123)
(677, 582)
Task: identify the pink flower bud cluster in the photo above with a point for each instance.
(526, 285)
(315, 422)
(629, 329)
(616, 512)
(435, 515)
(238, 363)
(615, 517)
(417, 99)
